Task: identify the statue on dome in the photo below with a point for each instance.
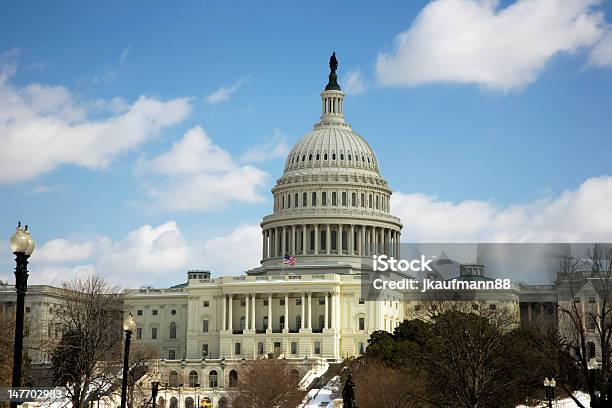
(333, 62)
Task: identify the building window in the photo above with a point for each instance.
(314, 199)
(281, 322)
(294, 347)
(298, 301)
(363, 203)
(321, 322)
(370, 201)
(281, 302)
(265, 323)
(354, 200)
(317, 347)
(361, 301)
(193, 378)
(206, 303)
(237, 349)
(138, 333)
(154, 312)
(362, 323)
(260, 348)
(213, 379)
(288, 200)
(242, 303)
(153, 333)
(474, 306)
(173, 377)
(265, 302)
(334, 201)
(324, 198)
(172, 356)
(173, 312)
(304, 200)
(233, 379)
(344, 199)
(205, 326)
(321, 301)
(139, 312)
(204, 350)
(173, 330)
(361, 348)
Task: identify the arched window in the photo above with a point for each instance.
(213, 379)
(363, 203)
(321, 322)
(161, 402)
(334, 198)
(298, 322)
(354, 200)
(281, 322)
(310, 157)
(296, 200)
(324, 198)
(313, 240)
(344, 198)
(334, 239)
(265, 323)
(349, 157)
(325, 156)
(377, 202)
(304, 198)
(333, 156)
(344, 240)
(370, 201)
(323, 240)
(173, 330)
(173, 402)
(233, 378)
(223, 402)
(314, 199)
(289, 201)
(303, 158)
(317, 156)
(283, 202)
(173, 379)
(193, 379)
(341, 156)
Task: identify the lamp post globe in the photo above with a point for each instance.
(129, 325)
(22, 246)
(549, 386)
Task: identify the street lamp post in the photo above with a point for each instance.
(154, 388)
(22, 246)
(129, 325)
(549, 386)
(593, 365)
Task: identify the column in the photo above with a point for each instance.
(399, 244)
(374, 241)
(309, 310)
(326, 325)
(339, 238)
(328, 239)
(263, 244)
(247, 300)
(317, 242)
(303, 319)
(304, 239)
(253, 321)
(231, 315)
(337, 311)
(362, 242)
(284, 242)
(351, 241)
(270, 312)
(224, 325)
(293, 235)
(286, 312)
(332, 310)
(388, 248)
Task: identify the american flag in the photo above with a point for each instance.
(289, 260)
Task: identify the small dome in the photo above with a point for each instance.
(332, 147)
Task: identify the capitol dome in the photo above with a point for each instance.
(331, 205)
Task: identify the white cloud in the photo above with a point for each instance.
(276, 147)
(224, 93)
(581, 215)
(476, 41)
(198, 175)
(59, 131)
(124, 54)
(60, 250)
(354, 83)
(234, 253)
(601, 55)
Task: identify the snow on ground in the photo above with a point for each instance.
(323, 397)
(567, 402)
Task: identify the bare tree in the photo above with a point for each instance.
(267, 384)
(587, 326)
(86, 359)
(139, 392)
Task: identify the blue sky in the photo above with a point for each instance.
(490, 130)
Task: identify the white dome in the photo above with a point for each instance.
(332, 147)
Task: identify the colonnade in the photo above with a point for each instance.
(331, 313)
(326, 239)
